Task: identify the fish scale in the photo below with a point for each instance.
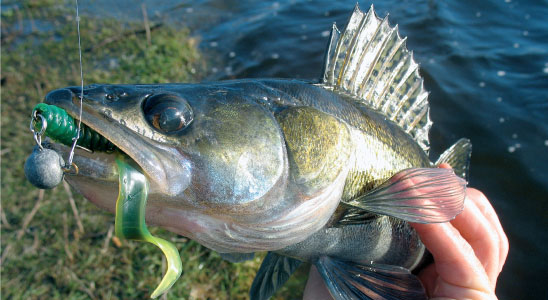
(327, 172)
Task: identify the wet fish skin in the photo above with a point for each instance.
(382, 240)
(329, 172)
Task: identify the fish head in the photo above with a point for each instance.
(205, 149)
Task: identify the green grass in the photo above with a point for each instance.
(45, 255)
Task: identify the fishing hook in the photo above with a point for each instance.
(38, 135)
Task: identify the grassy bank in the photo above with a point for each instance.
(56, 245)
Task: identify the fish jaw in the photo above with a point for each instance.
(96, 177)
(155, 160)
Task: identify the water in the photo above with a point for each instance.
(485, 63)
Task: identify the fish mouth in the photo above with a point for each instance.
(97, 171)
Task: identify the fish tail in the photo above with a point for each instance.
(458, 157)
(351, 280)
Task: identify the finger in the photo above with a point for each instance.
(444, 166)
(456, 263)
(489, 212)
(428, 276)
(482, 236)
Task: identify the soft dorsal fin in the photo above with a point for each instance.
(369, 61)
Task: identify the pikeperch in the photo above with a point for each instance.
(328, 172)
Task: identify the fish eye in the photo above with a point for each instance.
(167, 113)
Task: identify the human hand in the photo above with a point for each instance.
(469, 252)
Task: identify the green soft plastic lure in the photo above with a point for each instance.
(130, 221)
(61, 127)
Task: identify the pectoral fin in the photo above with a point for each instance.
(273, 273)
(350, 280)
(130, 222)
(421, 195)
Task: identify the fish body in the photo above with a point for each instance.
(329, 172)
(249, 153)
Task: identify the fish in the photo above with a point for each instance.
(327, 171)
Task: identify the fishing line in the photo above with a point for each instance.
(45, 168)
(75, 139)
(57, 124)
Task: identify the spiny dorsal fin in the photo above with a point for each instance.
(370, 62)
